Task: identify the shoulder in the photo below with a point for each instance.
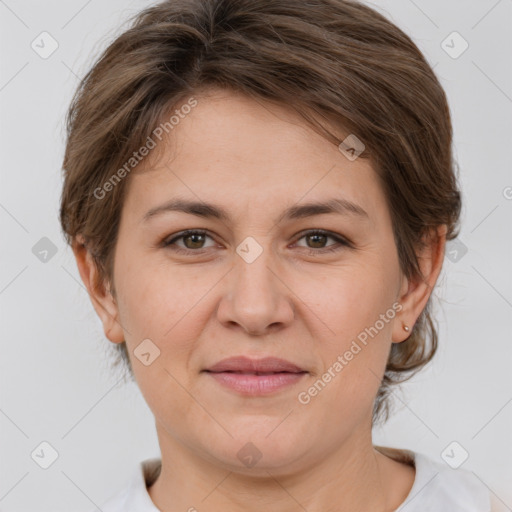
(439, 488)
(133, 496)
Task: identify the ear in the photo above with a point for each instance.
(99, 293)
(414, 293)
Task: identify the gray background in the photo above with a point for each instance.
(56, 385)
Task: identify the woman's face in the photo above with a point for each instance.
(257, 284)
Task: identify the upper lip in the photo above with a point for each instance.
(247, 364)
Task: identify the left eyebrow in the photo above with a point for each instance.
(208, 210)
(339, 206)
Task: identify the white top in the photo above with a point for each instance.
(437, 488)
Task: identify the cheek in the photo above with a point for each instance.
(161, 307)
(360, 306)
(156, 300)
(349, 300)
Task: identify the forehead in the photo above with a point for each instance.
(246, 154)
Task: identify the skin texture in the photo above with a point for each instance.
(255, 160)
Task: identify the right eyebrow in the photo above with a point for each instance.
(191, 207)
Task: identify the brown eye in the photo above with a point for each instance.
(192, 240)
(317, 239)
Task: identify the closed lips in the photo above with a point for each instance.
(246, 365)
(249, 373)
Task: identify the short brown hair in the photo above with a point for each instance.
(336, 60)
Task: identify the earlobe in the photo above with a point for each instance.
(416, 291)
(102, 300)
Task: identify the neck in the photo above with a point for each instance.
(354, 478)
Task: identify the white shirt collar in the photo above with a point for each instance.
(436, 488)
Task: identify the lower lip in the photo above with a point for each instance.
(251, 384)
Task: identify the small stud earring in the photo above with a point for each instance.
(406, 328)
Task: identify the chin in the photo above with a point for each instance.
(259, 449)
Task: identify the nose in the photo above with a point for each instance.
(256, 300)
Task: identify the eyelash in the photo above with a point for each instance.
(341, 242)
